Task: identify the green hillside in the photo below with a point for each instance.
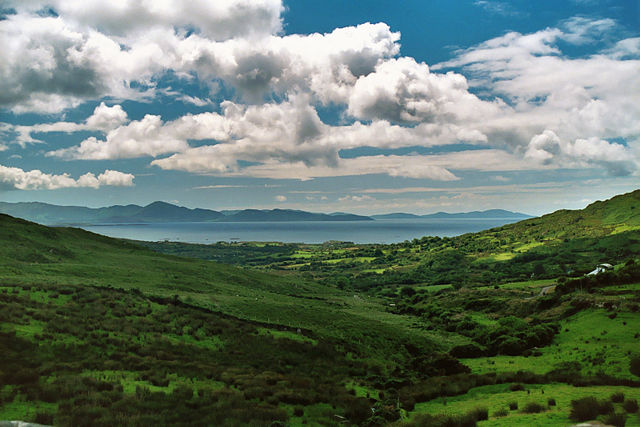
(563, 243)
(456, 332)
(35, 254)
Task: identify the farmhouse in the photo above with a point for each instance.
(601, 268)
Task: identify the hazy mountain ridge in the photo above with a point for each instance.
(155, 212)
(491, 213)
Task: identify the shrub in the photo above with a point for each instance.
(551, 402)
(298, 411)
(606, 407)
(533, 408)
(357, 410)
(513, 406)
(617, 397)
(502, 412)
(584, 409)
(630, 405)
(480, 414)
(44, 418)
(516, 387)
(617, 420)
(634, 366)
(467, 351)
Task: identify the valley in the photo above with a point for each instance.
(501, 327)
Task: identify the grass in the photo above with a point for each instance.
(287, 335)
(20, 409)
(591, 338)
(496, 397)
(69, 257)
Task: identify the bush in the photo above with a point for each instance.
(480, 414)
(551, 402)
(516, 387)
(589, 408)
(584, 409)
(44, 418)
(617, 420)
(533, 408)
(617, 397)
(513, 406)
(358, 410)
(503, 412)
(298, 411)
(634, 366)
(631, 406)
(606, 407)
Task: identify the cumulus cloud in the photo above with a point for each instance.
(402, 90)
(139, 138)
(326, 65)
(505, 93)
(103, 118)
(16, 178)
(220, 19)
(281, 198)
(286, 132)
(592, 98)
(548, 148)
(52, 63)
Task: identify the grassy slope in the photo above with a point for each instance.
(32, 254)
(38, 254)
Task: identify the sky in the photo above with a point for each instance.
(336, 105)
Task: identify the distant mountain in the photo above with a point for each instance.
(492, 213)
(396, 215)
(279, 215)
(155, 212)
(166, 212)
(44, 213)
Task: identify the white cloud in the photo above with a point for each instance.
(359, 199)
(106, 118)
(435, 167)
(220, 19)
(16, 178)
(115, 178)
(103, 118)
(527, 86)
(402, 90)
(548, 148)
(281, 198)
(139, 138)
(497, 7)
(593, 98)
(49, 64)
(326, 65)
(198, 102)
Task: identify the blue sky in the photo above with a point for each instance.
(367, 107)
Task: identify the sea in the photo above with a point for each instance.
(378, 231)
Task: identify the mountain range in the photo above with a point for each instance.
(155, 212)
(492, 213)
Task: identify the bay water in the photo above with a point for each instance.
(378, 231)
